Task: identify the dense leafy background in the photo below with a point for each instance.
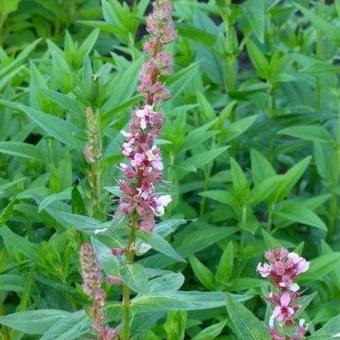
(251, 144)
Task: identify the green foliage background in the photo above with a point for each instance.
(252, 152)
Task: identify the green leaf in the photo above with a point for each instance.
(270, 241)
(16, 244)
(160, 244)
(85, 224)
(198, 35)
(88, 44)
(258, 59)
(328, 331)
(7, 7)
(198, 161)
(11, 282)
(77, 202)
(169, 226)
(210, 332)
(291, 177)
(254, 12)
(225, 265)
(260, 167)
(321, 266)
(302, 215)
(35, 321)
(245, 324)
(23, 150)
(206, 109)
(58, 128)
(219, 196)
(174, 325)
(264, 189)
(135, 278)
(60, 196)
(7, 212)
(240, 182)
(202, 273)
(166, 283)
(177, 301)
(237, 128)
(73, 327)
(65, 101)
(309, 132)
(198, 240)
(123, 86)
(320, 24)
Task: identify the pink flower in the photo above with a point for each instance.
(283, 311)
(114, 280)
(118, 251)
(138, 160)
(92, 281)
(264, 270)
(275, 334)
(301, 265)
(161, 203)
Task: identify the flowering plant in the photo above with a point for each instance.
(283, 268)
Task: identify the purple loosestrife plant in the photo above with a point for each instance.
(92, 282)
(143, 170)
(144, 167)
(282, 269)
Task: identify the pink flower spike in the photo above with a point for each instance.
(282, 269)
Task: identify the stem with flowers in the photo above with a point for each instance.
(282, 269)
(93, 154)
(143, 170)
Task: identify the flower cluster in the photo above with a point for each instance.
(282, 269)
(92, 281)
(92, 151)
(144, 167)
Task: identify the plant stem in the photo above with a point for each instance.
(319, 55)
(130, 256)
(207, 175)
(231, 57)
(94, 181)
(335, 175)
(242, 239)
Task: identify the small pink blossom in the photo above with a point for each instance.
(118, 251)
(114, 280)
(264, 270)
(161, 203)
(283, 311)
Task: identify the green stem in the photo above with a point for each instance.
(130, 256)
(207, 174)
(270, 216)
(319, 54)
(242, 239)
(94, 180)
(335, 176)
(231, 57)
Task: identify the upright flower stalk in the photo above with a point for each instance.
(143, 168)
(92, 282)
(92, 154)
(282, 269)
